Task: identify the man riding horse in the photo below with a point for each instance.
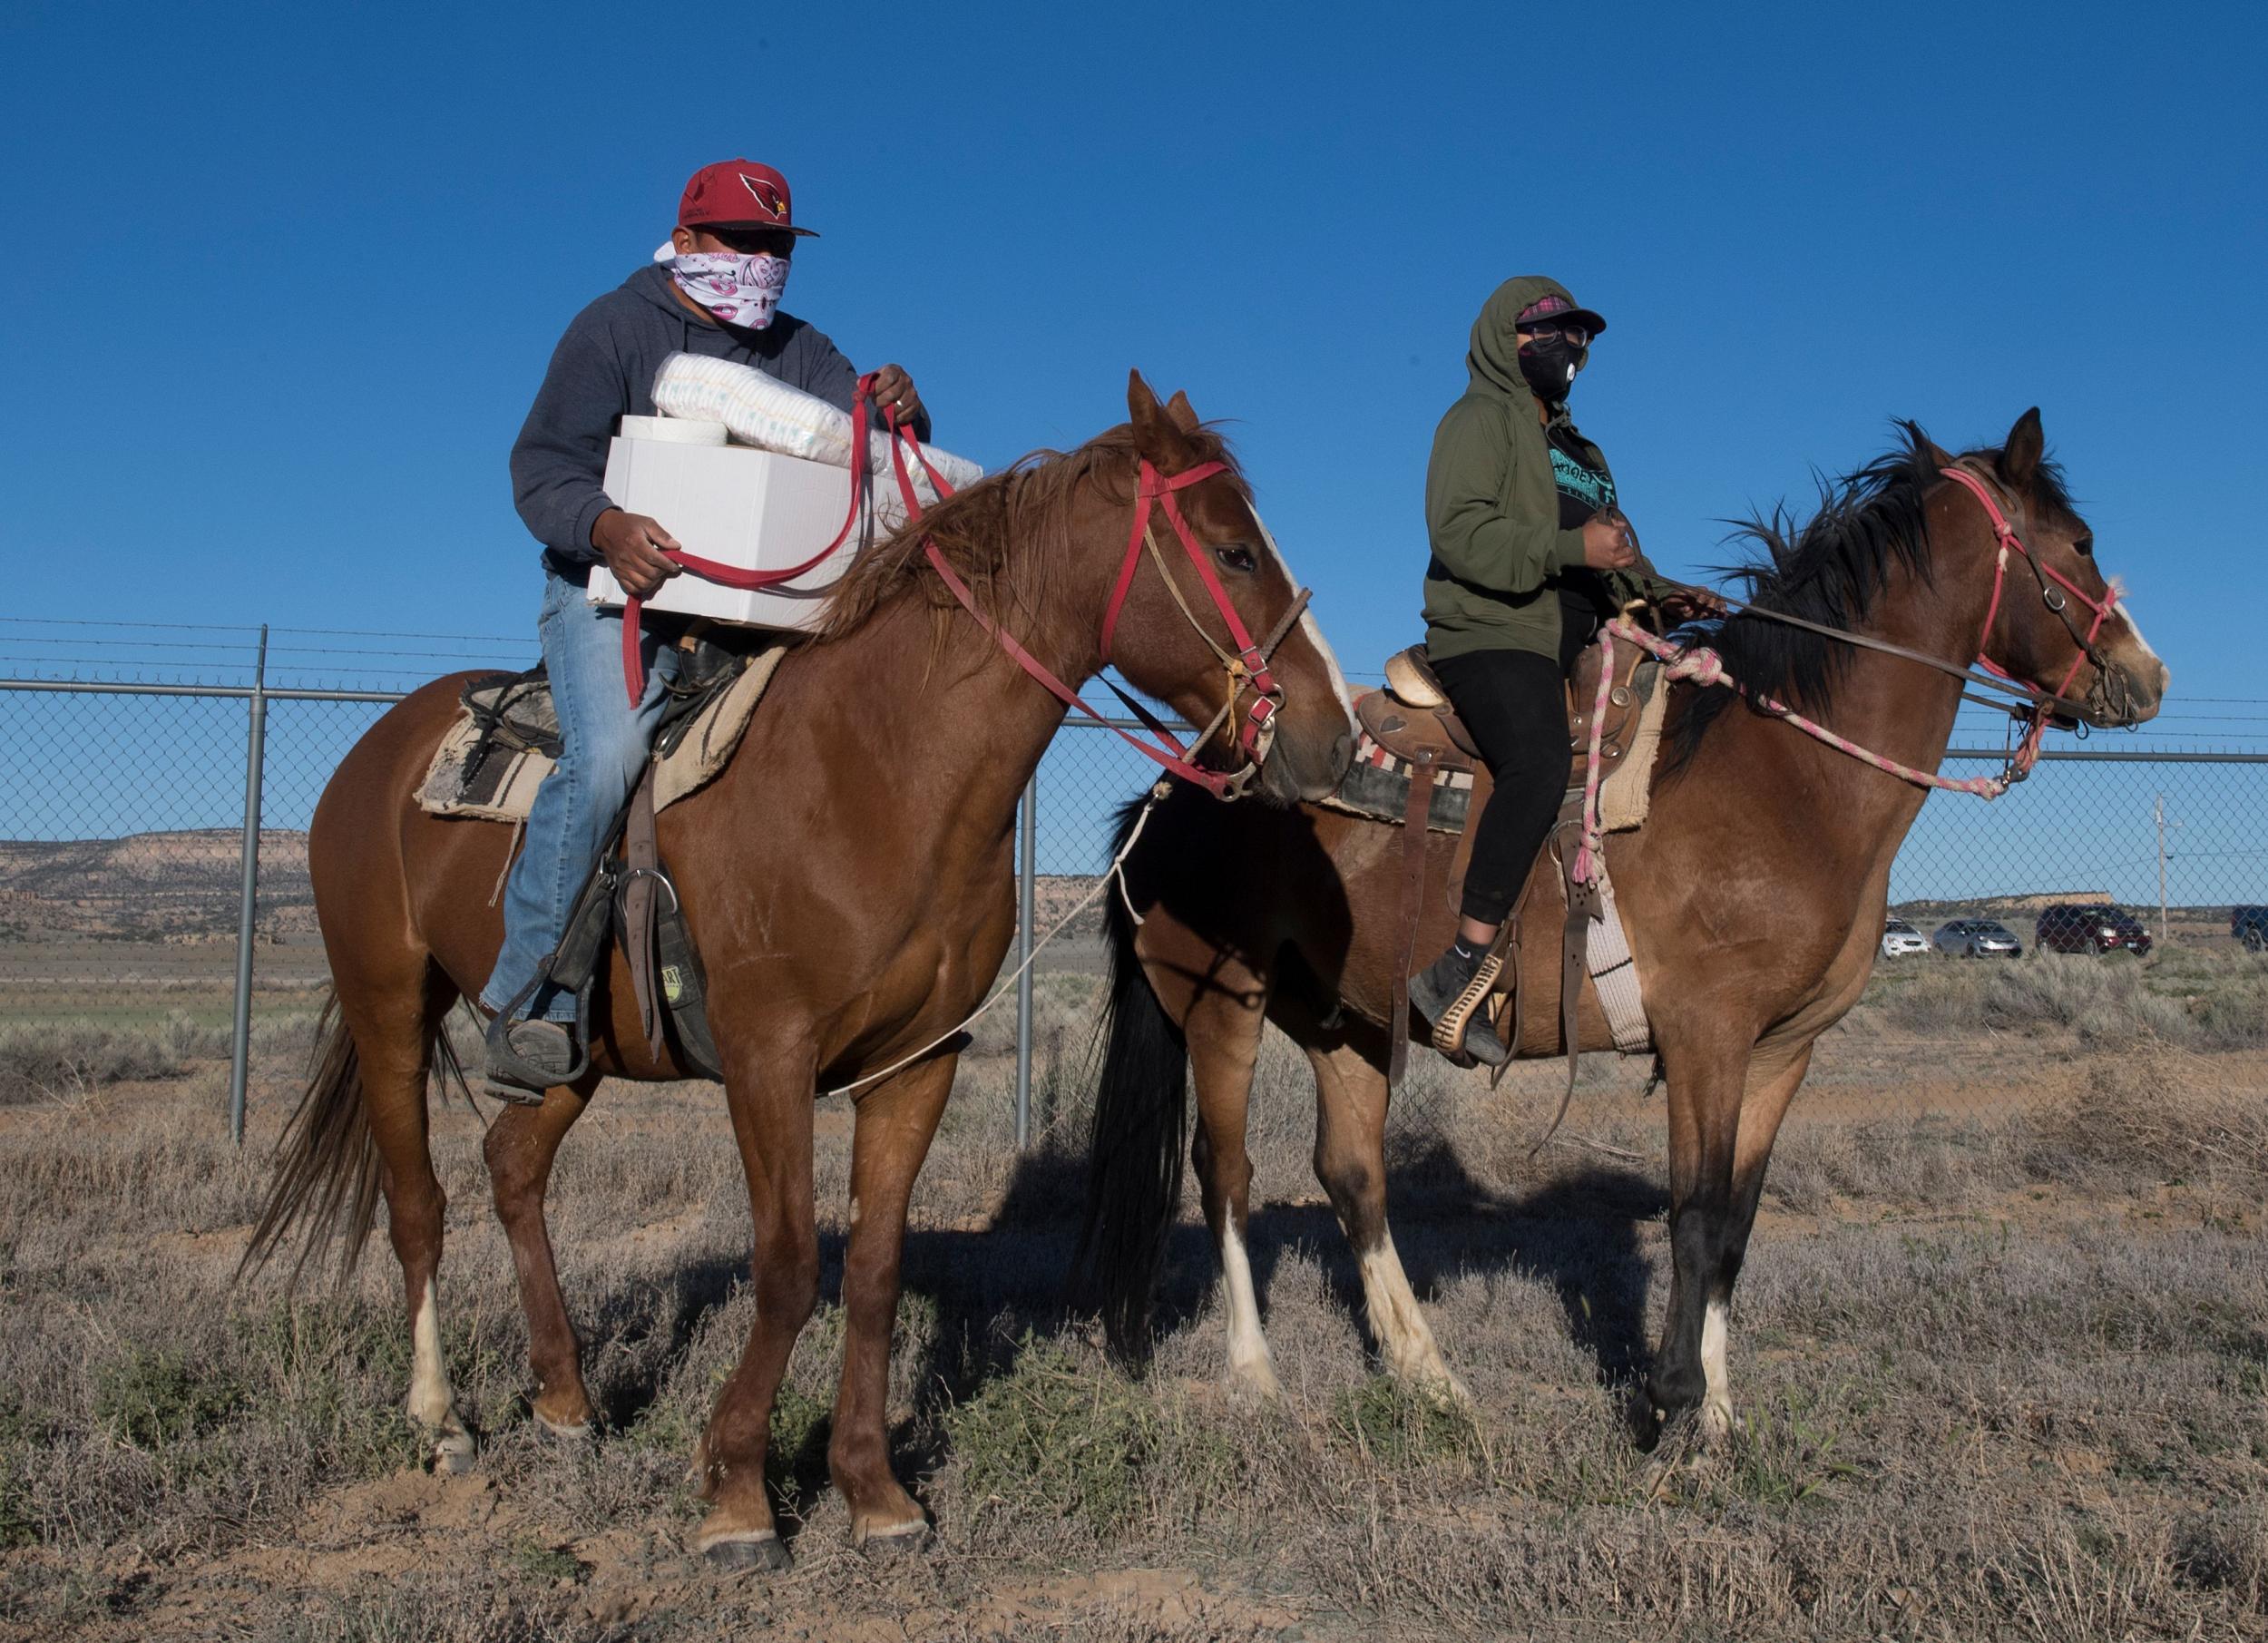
(713, 290)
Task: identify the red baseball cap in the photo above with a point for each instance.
(738, 194)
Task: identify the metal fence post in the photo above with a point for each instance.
(1027, 904)
(254, 759)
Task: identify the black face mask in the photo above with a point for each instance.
(1548, 364)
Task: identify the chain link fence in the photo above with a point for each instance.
(126, 828)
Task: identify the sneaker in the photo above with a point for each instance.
(532, 1058)
(1448, 995)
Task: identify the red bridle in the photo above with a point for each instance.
(1247, 666)
(2044, 701)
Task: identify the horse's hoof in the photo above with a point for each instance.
(453, 1455)
(896, 1542)
(766, 1553)
(1254, 1381)
(1443, 1391)
(581, 1432)
(1644, 1421)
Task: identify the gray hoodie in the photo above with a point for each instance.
(603, 370)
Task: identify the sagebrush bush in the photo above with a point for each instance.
(2187, 999)
(151, 1398)
(2158, 1114)
(1056, 1436)
(44, 1062)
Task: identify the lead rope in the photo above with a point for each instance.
(1114, 873)
(1703, 666)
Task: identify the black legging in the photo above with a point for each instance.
(1515, 704)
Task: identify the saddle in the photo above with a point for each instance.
(505, 738)
(1412, 720)
(489, 765)
(1411, 725)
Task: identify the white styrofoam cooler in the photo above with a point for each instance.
(740, 506)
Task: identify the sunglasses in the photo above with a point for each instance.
(751, 242)
(1576, 335)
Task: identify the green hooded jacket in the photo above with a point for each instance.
(1491, 505)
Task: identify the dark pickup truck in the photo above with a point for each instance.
(2250, 925)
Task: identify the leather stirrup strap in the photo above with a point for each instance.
(1506, 1019)
(1582, 905)
(642, 864)
(1414, 816)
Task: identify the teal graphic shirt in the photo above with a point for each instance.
(1583, 489)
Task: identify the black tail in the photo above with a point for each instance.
(326, 1164)
(1134, 1153)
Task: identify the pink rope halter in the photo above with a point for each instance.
(1701, 665)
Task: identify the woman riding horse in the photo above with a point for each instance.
(1753, 898)
(1529, 555)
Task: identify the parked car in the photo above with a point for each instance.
(1900, 939)
(2250, 925)
(1977, 938)
(2091, 927)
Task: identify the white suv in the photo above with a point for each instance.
(1902, 940)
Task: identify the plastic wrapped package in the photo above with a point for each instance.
(768, 413)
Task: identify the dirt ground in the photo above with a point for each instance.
(2000, 1350)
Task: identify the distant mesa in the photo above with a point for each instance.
(151, 886)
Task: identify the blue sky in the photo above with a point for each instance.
(284, 279)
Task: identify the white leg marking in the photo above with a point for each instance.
(431, 1402)
(429, 1395)
(1716, 1401)
(1248, 1359)
(1400, 1324)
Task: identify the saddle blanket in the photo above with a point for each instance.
(1378, 784)
(493, 775)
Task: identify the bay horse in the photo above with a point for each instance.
(848, 881)
(1753, 898)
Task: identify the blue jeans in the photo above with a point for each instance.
(604, 746)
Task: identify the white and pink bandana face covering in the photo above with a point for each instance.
(742, 290)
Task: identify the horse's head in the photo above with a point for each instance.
(2058, 624)
(1168, 627)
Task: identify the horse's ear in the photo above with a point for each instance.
(1181, 413)
(2019, 458)
(1156, 436)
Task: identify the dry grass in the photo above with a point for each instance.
(2003, 1371)
(2196, 998)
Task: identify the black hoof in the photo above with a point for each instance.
(1644, 1420)
(768, 1555)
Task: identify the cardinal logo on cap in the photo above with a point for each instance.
(764, 195)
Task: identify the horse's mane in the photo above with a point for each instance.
(1020, 519)
(1829, 569)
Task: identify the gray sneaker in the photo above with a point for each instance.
(1451, 998)
(533, 1057)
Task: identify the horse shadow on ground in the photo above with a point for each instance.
(996, 1290)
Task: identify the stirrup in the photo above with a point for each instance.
(1449, 1032)
(510, 1078)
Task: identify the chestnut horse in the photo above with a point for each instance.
(1753, 896)
(847, 880)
